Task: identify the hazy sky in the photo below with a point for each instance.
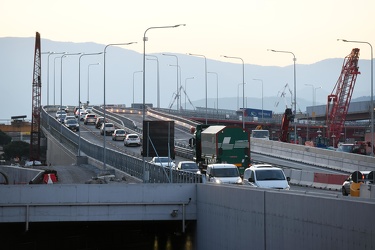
(237, 28)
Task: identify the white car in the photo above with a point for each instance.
(69, 117)
(266, 176)
(60, 112)
(223, 173)
(163, 161)
(132, 139)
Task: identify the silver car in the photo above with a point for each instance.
(119, 134)
(109, 128)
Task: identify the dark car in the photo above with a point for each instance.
(72, 124)
(188, 166)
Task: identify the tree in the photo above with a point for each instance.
(15, 149)
(4, 138)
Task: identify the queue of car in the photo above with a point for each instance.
(258, 175)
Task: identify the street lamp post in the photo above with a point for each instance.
(205, 75)
(312, 110)
(61, 80)
(177, 93)
(217, 90)
(243, 89)
(315, 89)
(372, 92)
(157, 78)
(189, 78)
(295, 89)
(135, 72)
(262, 96)
(54, 78)
(144, 81)
(49, 54)
(104, 101)
(88, 81)
(144, 61)
(79, 96)
(314, 98)
(238, 95)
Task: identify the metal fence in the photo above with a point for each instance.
(129, 164)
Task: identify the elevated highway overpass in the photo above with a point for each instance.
(236, 215)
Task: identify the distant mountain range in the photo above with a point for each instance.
(123, 64)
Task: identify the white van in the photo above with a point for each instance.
(223, 173)
(266, 176)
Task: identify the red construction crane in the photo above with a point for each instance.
(287, 116)
(339, 99)
(36, 103)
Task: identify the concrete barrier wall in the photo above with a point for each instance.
(249, 218)
(57, 154)
(97, 202)
(18, 175)
(320, 157)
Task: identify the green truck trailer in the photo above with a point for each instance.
(221, 144)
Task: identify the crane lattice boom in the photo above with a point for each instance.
(339, 99)
(36, 103)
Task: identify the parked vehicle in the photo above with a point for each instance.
(188, 166)
(163, 161)
(72, 124)
(260, 134)
(223, 173)
(266, 176)
(119, 135)
(109, 128)
(89, 118)
(356, 148)
(132, 139)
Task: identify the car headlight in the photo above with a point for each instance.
(217, 181)
(239, 181)
(287, 187)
